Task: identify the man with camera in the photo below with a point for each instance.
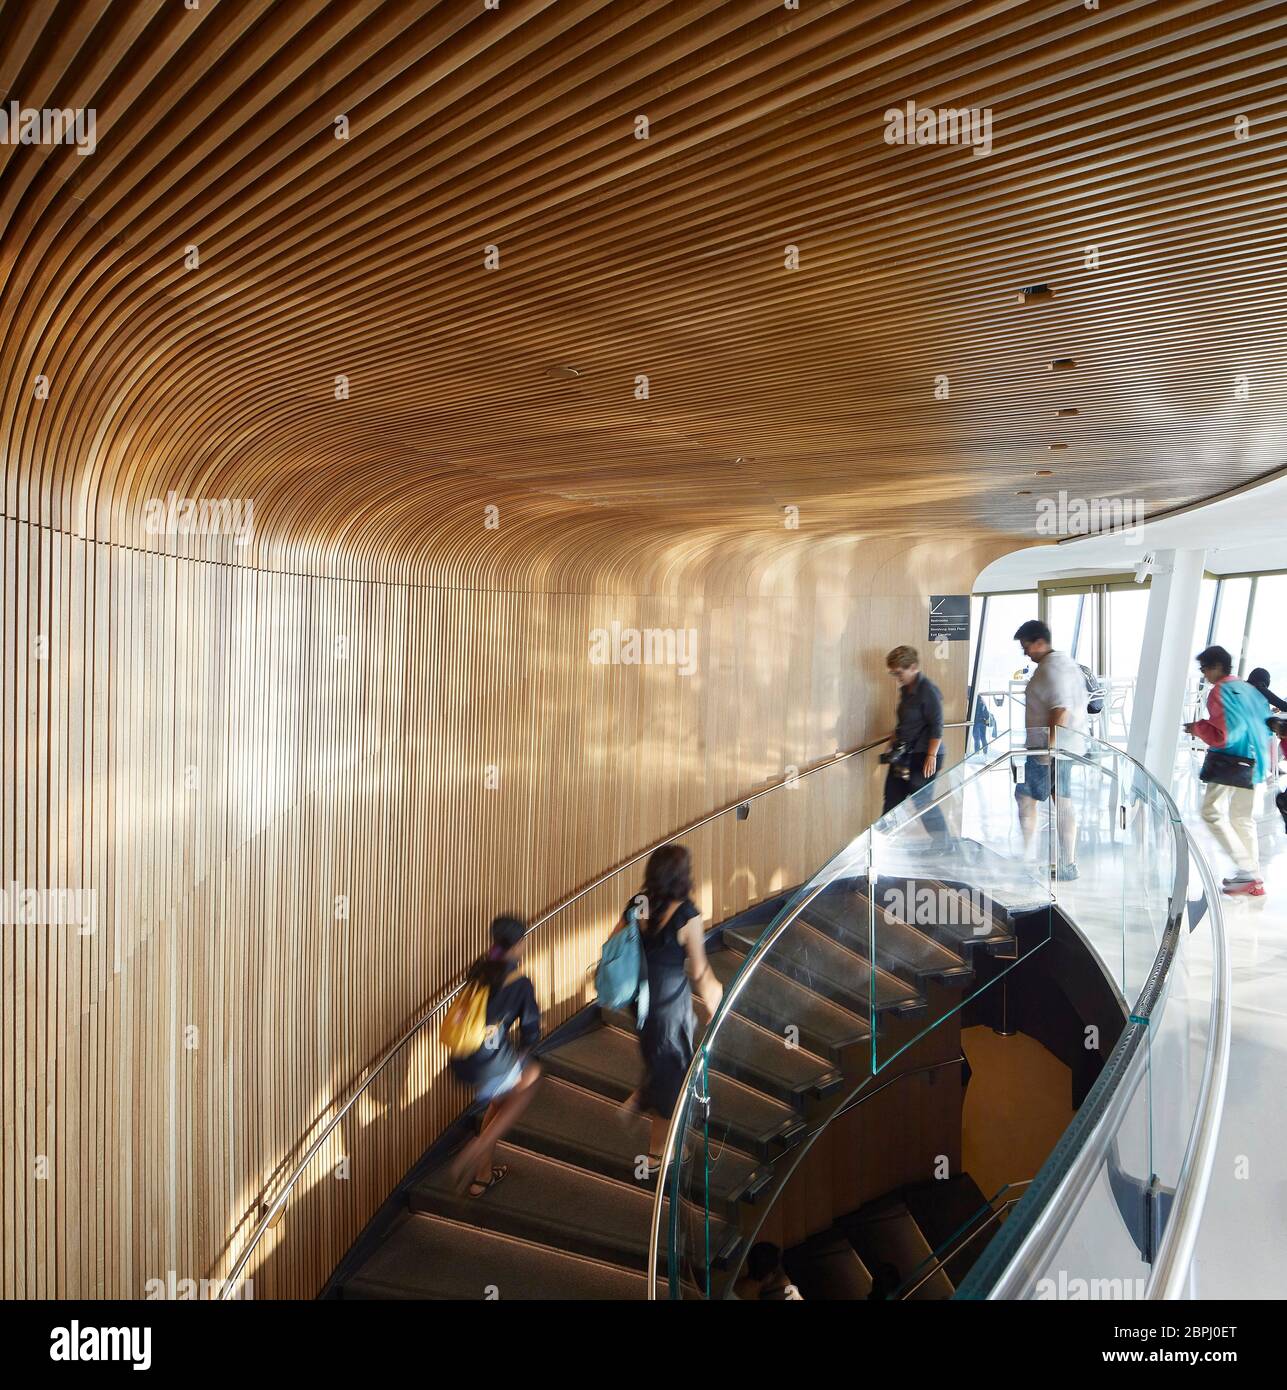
(1236, 732)
(915, 751)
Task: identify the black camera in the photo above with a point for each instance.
(896, 756)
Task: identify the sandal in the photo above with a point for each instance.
(485, 1187)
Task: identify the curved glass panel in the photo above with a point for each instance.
(911, 919)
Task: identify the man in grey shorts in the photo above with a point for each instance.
(1055, 698)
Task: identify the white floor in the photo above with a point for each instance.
(1242, 1243)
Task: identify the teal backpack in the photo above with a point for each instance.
(621, 977)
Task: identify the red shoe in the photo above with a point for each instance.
(1245, 888)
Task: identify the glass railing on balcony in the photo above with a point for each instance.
(1114, 1211)
(940, 900)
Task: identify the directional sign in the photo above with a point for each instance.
(949, 618)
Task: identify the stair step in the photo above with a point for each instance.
(607, 1060)
(554, 1203)
(947, 1212)
(759, 1057)
(884, 1233)
(770, 998)
(431, 1257)
(954, 920)
(832, 969)
(841, 912)
(585, 1129)
(827, 1268)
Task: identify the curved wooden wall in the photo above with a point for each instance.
(195, 748)
(219, 740)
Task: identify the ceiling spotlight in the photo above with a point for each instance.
(1036, 294)
(1062, 364)
(1068, 410)
(560, 371)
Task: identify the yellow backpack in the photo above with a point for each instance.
(465, 1026)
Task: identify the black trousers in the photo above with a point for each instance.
(898, 789)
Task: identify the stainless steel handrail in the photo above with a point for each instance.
(1175, 1251)
(271, 1210)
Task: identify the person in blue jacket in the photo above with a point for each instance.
(1237, 738)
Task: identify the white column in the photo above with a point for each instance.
(1166, 661)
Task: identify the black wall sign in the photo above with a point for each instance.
(949, 618)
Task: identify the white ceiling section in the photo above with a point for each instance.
(1242, 531)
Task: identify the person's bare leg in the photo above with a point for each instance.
(1067, 833)
(1027, 822)
(501, 1117)
(657, 1136)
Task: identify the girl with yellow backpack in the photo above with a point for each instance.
(476, 1033)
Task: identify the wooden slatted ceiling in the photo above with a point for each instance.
(364, 258)
(185, 739)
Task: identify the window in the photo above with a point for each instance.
(1127, 611)
(1074, 625)
(1267, 643)
(1002, 658)
(1231, 618)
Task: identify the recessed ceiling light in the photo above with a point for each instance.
(1068, 410)
(560, 371)
(1036, 294)
(1062, 364)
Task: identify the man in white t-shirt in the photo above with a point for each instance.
(1055, 698)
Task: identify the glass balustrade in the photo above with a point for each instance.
(903, 925)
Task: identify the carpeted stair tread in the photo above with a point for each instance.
(756, 1056)
(841, 911)
(607, 1060)
(955, 920)
(592, 1132)
(771, 999)
(832, 969)
(429, 1257)
(826, 1267)
(885, 1232)
(545, 1200)
(947, 1211)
